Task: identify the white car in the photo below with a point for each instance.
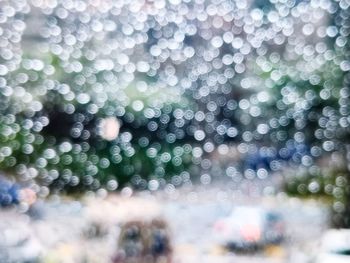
(335, 247)
(249, 227)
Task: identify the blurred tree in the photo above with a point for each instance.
(311, 110)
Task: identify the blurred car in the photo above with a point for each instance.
(141, 242)
(249, 227)
(18, 244)
(9, 192)
(334, 247)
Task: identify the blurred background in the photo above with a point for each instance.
(174, 131)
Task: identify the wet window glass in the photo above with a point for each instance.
(157, 131)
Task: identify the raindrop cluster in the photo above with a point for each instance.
(257, 84)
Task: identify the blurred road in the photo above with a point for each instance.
(64, 227)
